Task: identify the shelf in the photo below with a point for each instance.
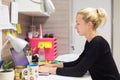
(30, 13)
(31, 8)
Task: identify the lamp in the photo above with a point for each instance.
(17, 43)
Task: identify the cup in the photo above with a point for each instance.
(31, 72)
(30, 35)
(25, 74)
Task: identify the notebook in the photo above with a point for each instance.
(19, 58)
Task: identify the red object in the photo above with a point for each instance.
(41, 31)
(31, 78)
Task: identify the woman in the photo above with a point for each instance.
(96, 56)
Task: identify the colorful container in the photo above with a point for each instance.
(48, 44)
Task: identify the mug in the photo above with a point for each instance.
(31, 72)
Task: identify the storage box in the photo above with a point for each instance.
(49, 45)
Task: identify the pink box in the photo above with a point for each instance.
(50, 52)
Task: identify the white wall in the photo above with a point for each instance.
(116, 32)
(0, 41)
(78, 42)
(0, 35)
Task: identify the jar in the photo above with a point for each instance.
(18, 72)
(32, 31)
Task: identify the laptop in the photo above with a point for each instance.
(19, 58)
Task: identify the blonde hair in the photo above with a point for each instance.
(97, 16)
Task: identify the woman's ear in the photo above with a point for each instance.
(90, 24)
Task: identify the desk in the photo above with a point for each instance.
(57, 77)
(67, 57)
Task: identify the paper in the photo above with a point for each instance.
(4, 18)
(19, 30)
(14, 13)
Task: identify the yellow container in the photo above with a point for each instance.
(18, 72)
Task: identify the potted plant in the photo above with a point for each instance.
(6, 73)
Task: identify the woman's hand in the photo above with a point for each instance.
(44, 69)
(47, 69)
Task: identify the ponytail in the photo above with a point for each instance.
(102, 15)
(97, 16)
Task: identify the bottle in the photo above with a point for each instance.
(41, 53)
(32, 29)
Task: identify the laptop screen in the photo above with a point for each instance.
(19, 58)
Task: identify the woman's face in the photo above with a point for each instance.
(81, 26)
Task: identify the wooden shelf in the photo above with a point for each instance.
(30, 13)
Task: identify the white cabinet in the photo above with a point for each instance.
(29, 7)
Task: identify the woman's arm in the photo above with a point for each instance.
(91, 54)
(50, 68)
(60, 65)
(46, 69)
